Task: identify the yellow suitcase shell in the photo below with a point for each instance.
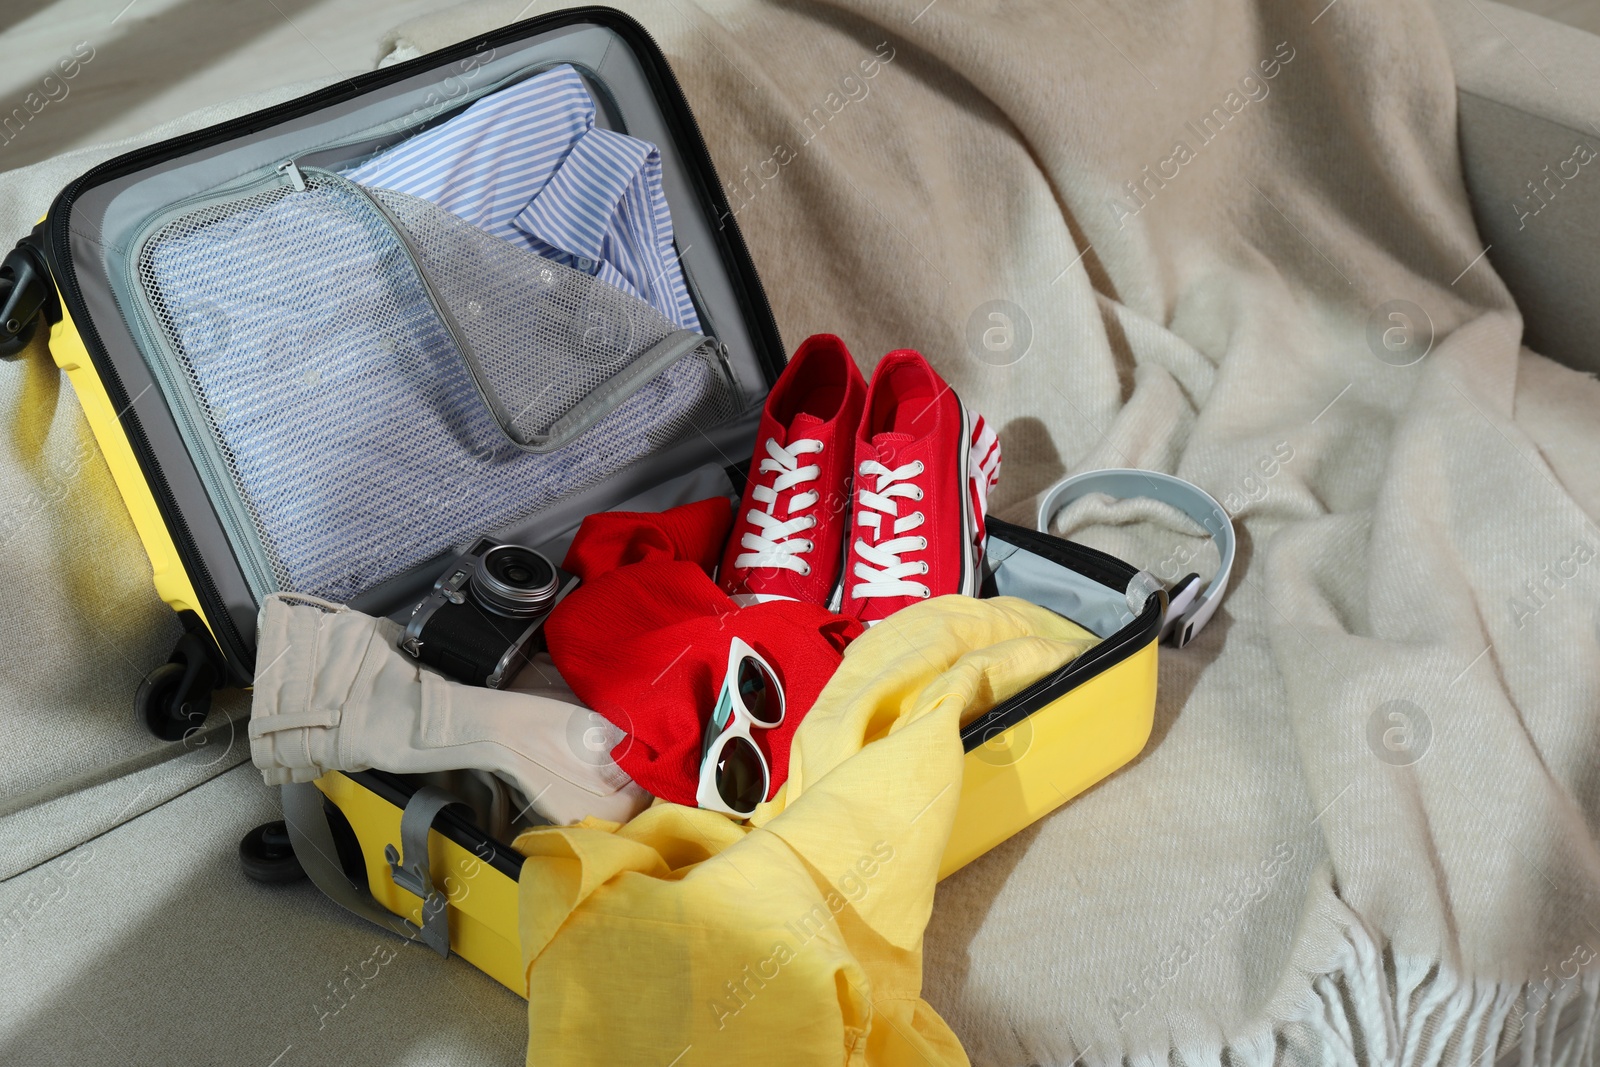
(1009, 781)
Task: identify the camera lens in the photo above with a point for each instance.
(515, 581)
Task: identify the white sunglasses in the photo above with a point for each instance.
(734, 777)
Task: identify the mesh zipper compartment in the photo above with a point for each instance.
(551, 348)
(325, 378)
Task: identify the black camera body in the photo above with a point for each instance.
(485, 616)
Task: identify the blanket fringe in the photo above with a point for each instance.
(1376, 1008)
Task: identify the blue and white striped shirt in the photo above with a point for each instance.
(528, 165)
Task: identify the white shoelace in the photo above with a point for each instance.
(880, 567)
(773, 543)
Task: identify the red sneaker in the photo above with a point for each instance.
(789, 533)
(983, 474)
(923, 471)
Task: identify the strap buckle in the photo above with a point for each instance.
(408, 865)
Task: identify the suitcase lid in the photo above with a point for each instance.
(97, 227)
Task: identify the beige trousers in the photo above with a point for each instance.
(334, 692)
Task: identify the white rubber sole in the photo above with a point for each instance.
(970, 579)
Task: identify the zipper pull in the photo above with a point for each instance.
(288, 169)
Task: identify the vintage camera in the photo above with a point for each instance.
(485, 615)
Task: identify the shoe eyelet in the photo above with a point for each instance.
(926, 593)
(806, 572)
(923, 545)
(919, 495)
(920, 467)
(924, 566)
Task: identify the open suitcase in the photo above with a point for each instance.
(363, 417)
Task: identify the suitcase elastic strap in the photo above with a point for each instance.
(314, 847)
(409, 868)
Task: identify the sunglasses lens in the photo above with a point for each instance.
(759, 692)
(741, 782)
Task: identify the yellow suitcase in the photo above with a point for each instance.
(1024, 758)
(381, 844)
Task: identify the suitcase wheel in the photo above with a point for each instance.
(267, 856)
(26, 297)
(175, 698)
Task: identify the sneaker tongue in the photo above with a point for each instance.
(889, 442)
(805, 425)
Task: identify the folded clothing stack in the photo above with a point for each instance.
(528, 165)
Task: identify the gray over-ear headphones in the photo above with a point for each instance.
(1188, 606)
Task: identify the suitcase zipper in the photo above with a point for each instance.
(769, 351)
(741, 252)
(193, 425)
(291, 171)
